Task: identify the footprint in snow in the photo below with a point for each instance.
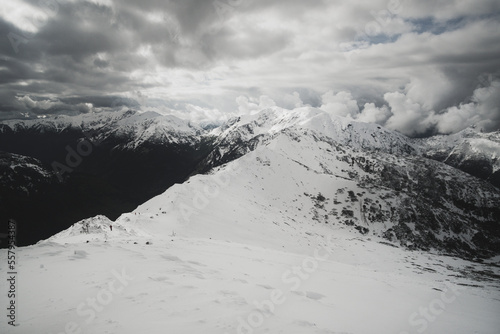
(303, 323)
(79, 254)
(52, 253)
(189, 287)
(160, 279)
(197, 263)
(314, 295)
(171, 258)
(239, 301)
(228, 293)
(240, 280)
(265, 286)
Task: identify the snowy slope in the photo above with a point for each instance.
(188, 284)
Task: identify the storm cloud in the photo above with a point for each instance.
(417, 67)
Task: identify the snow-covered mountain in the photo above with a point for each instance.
(241, 134)
(302, 223)
(358, 135)
(138, 128)
(472, 151)
(395, 190)
(298, 169)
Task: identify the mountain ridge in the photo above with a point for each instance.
(406, 199)
(371, 156)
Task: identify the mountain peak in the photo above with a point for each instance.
(358, 135)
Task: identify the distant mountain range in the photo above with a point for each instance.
(58, 171)
(440, 193)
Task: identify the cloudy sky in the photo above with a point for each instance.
(416, 66)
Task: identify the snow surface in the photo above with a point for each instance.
(195, 284)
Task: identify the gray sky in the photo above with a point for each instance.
(415, 66)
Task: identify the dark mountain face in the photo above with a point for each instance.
(63, 176)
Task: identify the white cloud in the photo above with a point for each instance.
(28, 103)
(408, 117)
(372, 114)
(266, 102)
(205, 116)
(292, 101)
(245, 106)
(27, 17)
(483, 112)
(340, 104)
(430, 89)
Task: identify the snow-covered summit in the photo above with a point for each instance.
(358, 135)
